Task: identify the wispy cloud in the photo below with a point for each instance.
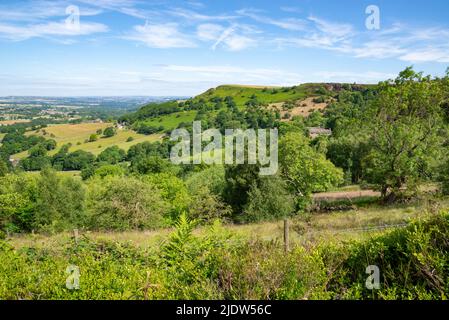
(195, 4)
(161, 36)
(195, 16)
(291, 9)
(195, 24)
(426, 55)
(126, 7)
(233, 38)
(398, 42)
(236, 74)
(39, 10)
(284, 23)
(19, 33)
(357, 77)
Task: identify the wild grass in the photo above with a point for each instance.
(360, 223)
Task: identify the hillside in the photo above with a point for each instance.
(267, 95)
(285, 102)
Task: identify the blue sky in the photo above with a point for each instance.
(158, 47)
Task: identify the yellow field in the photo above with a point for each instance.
(77, 134)
(8, 122)
(72, 174)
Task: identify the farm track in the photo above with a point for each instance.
(341, 195)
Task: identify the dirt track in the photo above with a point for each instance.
(345, 195)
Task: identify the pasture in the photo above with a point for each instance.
(78, 134)
(9, 122)
(171, 121)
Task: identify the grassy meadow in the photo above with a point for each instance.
(360, 223)
(171, 121)
(77, 134)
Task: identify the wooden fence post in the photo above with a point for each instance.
(286, 240)
(75, 235)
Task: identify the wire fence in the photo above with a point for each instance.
(365, 229)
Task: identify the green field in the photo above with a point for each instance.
(171, 121)
(77, 134)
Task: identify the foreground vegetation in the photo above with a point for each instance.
(413, 261)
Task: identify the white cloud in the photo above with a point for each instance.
(195, 4)
(161, 36)
(238, 42)
(357, 77)
(191, 15)
(338, 30)
(126, 7)
(291, 9)
(234, 74)
(230, 38)
(426, 55)
(209, 31)
(40, 10)
(293, 24)
(18, 33)
(397, 42)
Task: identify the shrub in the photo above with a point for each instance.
(17, 202)
(109, 170)
(60, 202)
(93, 137)
(78, 160)
(213, 178)
(118, 203)
(3, 168)
(319, 99)
(413, 262)
(112, 155)
(206, 206)
(109, 132)
(173, 191)
(270, 200)
(152, 164)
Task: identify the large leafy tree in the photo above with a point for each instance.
(112, 155)
(305, 169)
(405, 128)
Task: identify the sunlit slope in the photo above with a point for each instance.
(78, 135)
